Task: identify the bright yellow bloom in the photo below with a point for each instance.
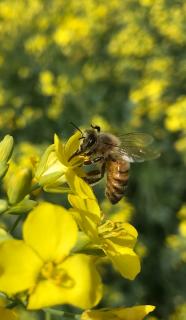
(133, 313)
(65, 150)
(53, 169)
(116, 239)
(41, 264)
(49, 169)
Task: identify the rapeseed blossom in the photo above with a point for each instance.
(116, 239)
(54, 166)
(54, 263)
(42, 266)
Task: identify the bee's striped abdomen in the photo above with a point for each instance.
(117, 178)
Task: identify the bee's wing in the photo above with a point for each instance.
(136, 138)
(136, 147)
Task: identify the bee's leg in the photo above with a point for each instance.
(97, 159)
(91, 161)
(95, 175)
(87, 162)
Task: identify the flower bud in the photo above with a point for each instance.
(6, 148)
(49, 169)
(22, 207)
(3, 168)
(19, 186)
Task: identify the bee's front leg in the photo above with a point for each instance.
(95, 175)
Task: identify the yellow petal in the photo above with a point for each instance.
(72, 144)
(84, 289)
(133, 313)
(86, 224)
(87, 214)
(86, 205)
(128, 263)
(117, 235)
(79, 186)
(19, 266)
(64, 151)
(51, 231)
(59, 148)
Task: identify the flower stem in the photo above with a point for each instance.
(65, 315)
(47, 316)
(19, 218)
(35, 187)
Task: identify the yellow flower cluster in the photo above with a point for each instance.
(177, 242)
(55, 261)
(175, 120)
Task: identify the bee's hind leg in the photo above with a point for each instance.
(95, 176)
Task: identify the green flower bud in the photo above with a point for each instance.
(3, 169)
(19, 186)
(22, 207)
(6, 148)
(44, 162)
(49, 169)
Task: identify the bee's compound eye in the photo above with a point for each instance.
(91, 140)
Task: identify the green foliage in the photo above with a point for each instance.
(122, 65)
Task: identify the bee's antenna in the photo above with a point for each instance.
(76, 128)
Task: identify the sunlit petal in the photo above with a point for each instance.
(19, 266)
(51, 231)
(79, 186)
(132, 313)
(127, 263)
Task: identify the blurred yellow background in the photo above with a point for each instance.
(121, 65)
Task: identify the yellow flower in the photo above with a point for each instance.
(116, 239)
(65, 150)
(49, 169)
(41, 263)
(54, 167)
(132, 313)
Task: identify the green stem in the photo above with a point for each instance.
(35, 187)
(47, 316)
(19, 218)
(64, 314)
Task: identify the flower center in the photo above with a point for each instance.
(57, 274)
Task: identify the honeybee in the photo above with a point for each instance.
(114, 155)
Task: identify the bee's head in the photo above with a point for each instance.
(88, 141)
